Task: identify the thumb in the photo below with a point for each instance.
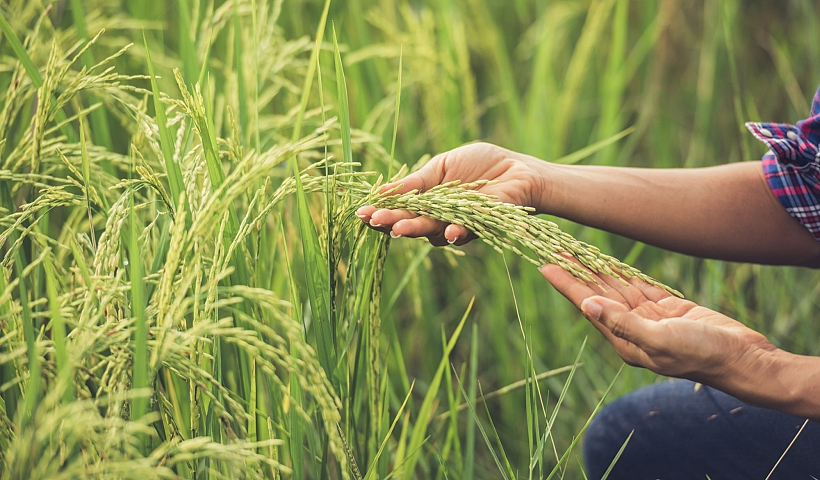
(618, 319)
(426, 178)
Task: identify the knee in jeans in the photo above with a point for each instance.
(605, 436)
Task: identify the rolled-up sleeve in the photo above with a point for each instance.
(792, 165)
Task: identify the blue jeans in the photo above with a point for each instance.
(683, 433)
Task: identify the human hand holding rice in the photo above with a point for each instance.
(721, 212)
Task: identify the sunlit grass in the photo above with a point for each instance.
(184, 292)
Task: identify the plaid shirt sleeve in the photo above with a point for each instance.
(792, 165)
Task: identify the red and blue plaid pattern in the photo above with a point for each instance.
(792, 165)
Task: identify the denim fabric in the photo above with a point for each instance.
(686, 433)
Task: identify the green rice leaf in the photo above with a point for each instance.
(577, 437)
(315, 263)
(187, 50)
(86, 166)
(395, 118)
(314, 59)
(344, 107)
(426, 410)
(58, 332)
(240, 69)
(139, 406)
(469, 442)
(99, 119)
(172, 168)
(590, 150)
(371, 472)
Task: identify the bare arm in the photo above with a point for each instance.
(726, 212)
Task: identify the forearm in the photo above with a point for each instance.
(778, 380)
(726, 212)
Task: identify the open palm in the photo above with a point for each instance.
(651, 328)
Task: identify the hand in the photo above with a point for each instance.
(652, 329)
(521, 181)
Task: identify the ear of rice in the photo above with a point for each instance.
(505, 226)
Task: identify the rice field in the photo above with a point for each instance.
(186, 291)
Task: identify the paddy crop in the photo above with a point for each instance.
(186, 292)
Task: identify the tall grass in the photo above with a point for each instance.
(185, 291)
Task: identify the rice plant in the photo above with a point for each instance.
(185, 291)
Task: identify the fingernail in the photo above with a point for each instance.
(394, 234)
(591, 308)
(361, 216)
(453, 240)
(375, 224)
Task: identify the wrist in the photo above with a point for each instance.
(547, 187)
(776, 379)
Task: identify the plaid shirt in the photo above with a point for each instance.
(792, 165)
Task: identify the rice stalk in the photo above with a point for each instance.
(505, 226)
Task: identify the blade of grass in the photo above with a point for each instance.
(34, 385)
(469, 442)
(140, 367)
(498, 442)
(372, 470)
(330, 186)
(256, 141)
(314, 261)
(306, 87)
(408, 274)
(481, 429)
(99, 118)
(578, 69)
(172, 168)
(187, 50)
(344, 108)
(554, 416)
(451, 440)
(575, 440)
(729, 12)
(395, 118)
(296, 434)
(242, 98)
(617, 456)
(86, 166)
(426, 410)
(526, 382)
(590, 150)
(58, 333)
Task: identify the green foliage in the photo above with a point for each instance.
(257, 329)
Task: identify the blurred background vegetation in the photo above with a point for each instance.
(546, 78)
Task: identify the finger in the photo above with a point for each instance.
(621, 328)
(567, 285)
(651, 292)
(388, 218)
(633, 295)
(601, 283)
(620, 320)
(364, 213)
(420, 227)
(458, 235)
(630, 353)
(427, 177)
